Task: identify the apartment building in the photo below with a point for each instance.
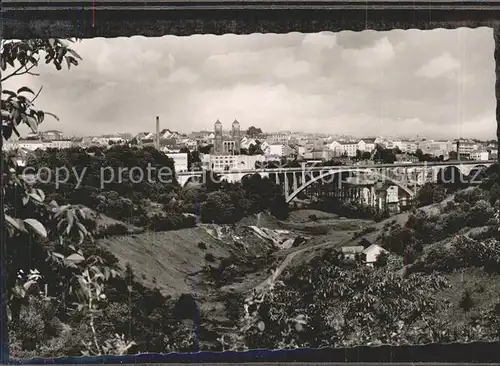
(278, 150)
(436, 148)
(180, 161)
(479, 155)
(408, 146)
(367, 144)
(322, 154)
(52, 135)
(277, 138)
(220, 163)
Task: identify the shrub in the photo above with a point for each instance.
(186, 307)
(209, 257)
(398, 238)
(313, 217)
(202, 245)
(382, 260)
(115, 229)
(279, 208)
(494, 194)
(479, 214)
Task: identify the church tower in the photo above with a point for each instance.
(236, 135)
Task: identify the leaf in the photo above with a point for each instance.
(71, 219)
(9, 92)
(58, 255)
(74, 54)
(28, 284)
(82, 228)
(106, 273)
(32, 123)
(82, 213)
(52, 115)
(37, 227)
(25, 89)
(7, 132)
(82, 237)
(75, 258)
(41, 194)
(36, 196)
(16, 223)
(261, 326)
(41, 116)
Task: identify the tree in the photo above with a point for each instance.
(383, 155)
(452, 155)
(205, 149)
(27, 220)
(218, 208)
(255, 149)
(430, 193)
(466, 302)
(253, 132)
(366, 155)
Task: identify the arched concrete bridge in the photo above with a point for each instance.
(407, 177)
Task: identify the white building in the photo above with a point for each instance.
(31, 145)
(60, 144)
(278, 150)
(408, 146)
(367, 144)
(480, 155)
(372, 252)
(468, 147)
(220, 163)
(277, 138)
(350, 252)
(393, 194)
(180, 161)
(350, 148)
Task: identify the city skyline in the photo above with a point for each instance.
(360, 84)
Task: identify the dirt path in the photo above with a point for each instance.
(288, 259)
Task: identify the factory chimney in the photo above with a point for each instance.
(157, 133)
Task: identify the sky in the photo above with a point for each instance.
(434, 84)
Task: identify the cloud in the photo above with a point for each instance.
(439, 66)
(397, 82)
(183, 74)
(320, 40)
(290, 68)
(370, 57)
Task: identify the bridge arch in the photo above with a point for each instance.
(340, 171)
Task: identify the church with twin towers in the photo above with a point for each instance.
(224, 144)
